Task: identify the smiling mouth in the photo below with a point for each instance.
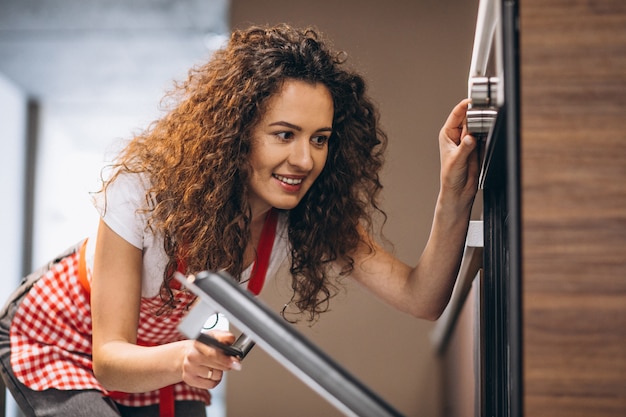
(286, 180)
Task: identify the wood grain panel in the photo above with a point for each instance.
(573, 107)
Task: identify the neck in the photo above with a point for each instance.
(259, 213)
(255, 229)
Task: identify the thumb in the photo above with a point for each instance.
(467, 145)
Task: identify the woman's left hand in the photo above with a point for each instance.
(459, 158)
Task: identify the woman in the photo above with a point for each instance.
(271, 150)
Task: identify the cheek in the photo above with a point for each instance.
(320, 163)
(323, 159)
(256, 161)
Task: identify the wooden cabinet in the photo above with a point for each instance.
(573, 156)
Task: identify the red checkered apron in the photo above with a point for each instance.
(51, 331)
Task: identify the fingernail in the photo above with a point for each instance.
(235, 366)
(468, 140)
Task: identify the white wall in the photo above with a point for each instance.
(12, 160)
(13, 115)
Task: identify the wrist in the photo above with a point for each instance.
(453, 206)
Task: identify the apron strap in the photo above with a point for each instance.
(266, 243)
(82, 268)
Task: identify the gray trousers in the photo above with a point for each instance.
(66, 403)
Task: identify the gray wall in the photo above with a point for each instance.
(415, 56)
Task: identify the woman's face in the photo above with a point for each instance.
(290, 145)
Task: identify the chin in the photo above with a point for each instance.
(286, 204)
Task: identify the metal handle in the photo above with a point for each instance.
(485, 91)
(285, 344)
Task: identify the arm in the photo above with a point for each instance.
(121, 365)
(424, 290)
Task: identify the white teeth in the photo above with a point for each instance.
(290, 181)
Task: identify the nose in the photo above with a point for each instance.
(300, 155)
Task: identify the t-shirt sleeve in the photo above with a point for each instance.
(120, 207)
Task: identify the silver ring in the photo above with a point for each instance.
(210, 373)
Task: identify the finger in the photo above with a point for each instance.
(462, 157)
(455, 123)
(457, 115)
(199, 377)
(223, 336)
(216, 358)
(201, 382)
(212, 374)
(227, 338)
(467, 146)
(464, 131)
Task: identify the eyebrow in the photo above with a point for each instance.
(298, 128)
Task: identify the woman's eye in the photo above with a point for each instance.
(284, 135)
(319, 140)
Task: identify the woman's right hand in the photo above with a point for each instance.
(203, 366)
(119, 363)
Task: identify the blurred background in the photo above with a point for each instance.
(78, 77)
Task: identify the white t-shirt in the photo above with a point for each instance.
(119, 210)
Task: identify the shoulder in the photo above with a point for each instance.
(122, 206)
(124, 189)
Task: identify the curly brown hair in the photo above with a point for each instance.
(196, 158)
